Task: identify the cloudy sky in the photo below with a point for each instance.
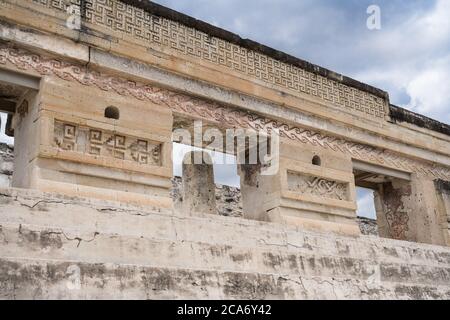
(409, 56)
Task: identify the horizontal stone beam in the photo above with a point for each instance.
(364, 166)
(7, 106)
(19, 79)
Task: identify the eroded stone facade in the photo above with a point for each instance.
(161, 255)
(228, 198)
(152, 30)
(6, 165)
(71, 137)
(93, 110)
(229, 204)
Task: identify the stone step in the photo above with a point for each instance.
(63, 245)
(44, 279)
(83, 218)
(142, 250)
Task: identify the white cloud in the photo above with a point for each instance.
(429, 90)
(416, 61)
(3, 137)
(366, 203)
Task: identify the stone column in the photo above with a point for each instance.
(394, 215)
(411, 210)
(443, 193)
(256, 191)
(311, 190)
(382, 223)
(426, 225)
(198, 184)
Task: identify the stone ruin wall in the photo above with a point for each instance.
(61, 247)
(90, 214)
(229, 204)
(6, 165)
(228, 199)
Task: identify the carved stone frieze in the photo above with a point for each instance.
(214, 112)
(152, 30)
(316, 186)
(97, 142)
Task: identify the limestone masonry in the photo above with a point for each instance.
(228, 199)
(96, 94)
